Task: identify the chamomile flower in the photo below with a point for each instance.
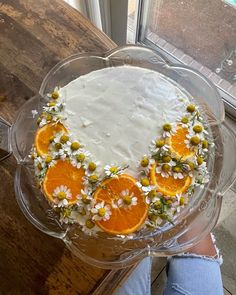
(144, 184)
(101, 211)
(159, 145)
(177, 172)
(55, 94)
(85, 199)
(183, 121)
(61, 195)
(152, 196)
(67, 215)
(79, 158)
(192, 141)
(127, 199)
(88, 226)
(91, 167)
(164, 170)
(145, 164)
(112, 170)
(168, 129)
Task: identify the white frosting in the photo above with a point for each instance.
(116, 112)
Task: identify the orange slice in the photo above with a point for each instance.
(123, 220)
(63, 173)
(44, 134)
(177, 144)
(169, 186)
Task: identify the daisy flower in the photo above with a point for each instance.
(168, 129)
(164, 170)
(101, 211)
(85, 199)
(79, 158)
(192, 140)
(91, 167)
(146, 163)
(55, 94)
(152, 196)
(127, 199)
(61, 195)
(158, 145)
(88, 226)
(112, 170)
(144, 184)
(183, 121)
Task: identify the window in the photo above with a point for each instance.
(198, 33)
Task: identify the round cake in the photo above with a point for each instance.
(120, 149)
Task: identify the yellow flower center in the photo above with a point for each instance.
(166, 158)
(80, 157)
(113, 169)
(58, 146)
(191, 108)
(55, 95)
(167, 127)
(48, 159)
(157, 205)
(101, 212)
(93, 178)
(165, 167)
(181, 201)
(75, 146)
(152, 194)
(127, 200)
(184, 120)
(49, 117)
(61, 195)
(89, 223)
(85, 199)
(51, 139)
(200, 160)
(177, 169)
(145, 182)
(195, 140)
(144, 162)
(160, 143)
(92, 166)
(197, 128)
(191, 165)
(51, 104)
(64, 138)
(204, 144)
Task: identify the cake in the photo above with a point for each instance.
(120, 149)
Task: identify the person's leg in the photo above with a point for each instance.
(195, 273)
(139, 281)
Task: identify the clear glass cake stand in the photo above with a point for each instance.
(193, 223)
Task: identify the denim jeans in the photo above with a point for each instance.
(187, 274)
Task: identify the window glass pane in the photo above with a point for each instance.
(200, 33)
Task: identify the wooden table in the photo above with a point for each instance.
(34, 36)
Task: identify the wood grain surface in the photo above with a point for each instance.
(34, 36)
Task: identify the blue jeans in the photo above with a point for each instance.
(186, 275)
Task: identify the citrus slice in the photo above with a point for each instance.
(169, 186)
(177, 144)
(123, 220)
(63, 173)
(45, 134)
